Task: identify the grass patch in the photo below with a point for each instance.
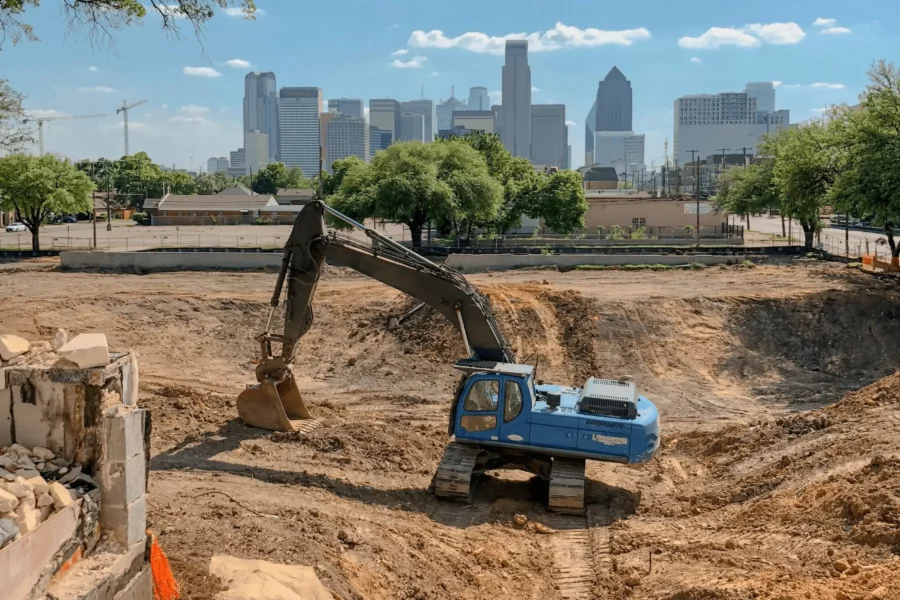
(748, 263)
(697, 266)
(655, 267)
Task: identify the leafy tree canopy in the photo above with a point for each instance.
(37, 187)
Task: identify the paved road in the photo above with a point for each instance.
(762, 228)
(125, 235)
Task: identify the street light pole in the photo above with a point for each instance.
(696, 188)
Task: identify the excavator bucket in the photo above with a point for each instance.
(275, 406)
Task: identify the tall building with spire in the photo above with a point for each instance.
(445, 110)
(515, 129)
(613, 107)
(261, 108)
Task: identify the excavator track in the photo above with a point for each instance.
(567, 486)
(453, 479)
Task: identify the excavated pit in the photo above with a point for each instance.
(772, 482)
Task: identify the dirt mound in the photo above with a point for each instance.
(576, 315)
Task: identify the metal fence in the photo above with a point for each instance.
(146, 242)
(857, 248)
(263, 219)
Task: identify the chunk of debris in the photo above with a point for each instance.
(44, 500)
(42, 453)
(62, 496)
(35, 480)
(8, 531)
(60, 337)
(12, 346)
(8, 501)
(71, 476)
(520, 520)
(26, 515)
(18, 488)
(87, 350)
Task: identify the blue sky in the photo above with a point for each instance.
(667, 49)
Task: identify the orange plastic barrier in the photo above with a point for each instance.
(164, 585)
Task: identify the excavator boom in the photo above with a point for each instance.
(275, 402)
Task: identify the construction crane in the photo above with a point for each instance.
(124, 110)
(40, 124)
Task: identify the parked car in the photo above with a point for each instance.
(69, 219)
(15, 227)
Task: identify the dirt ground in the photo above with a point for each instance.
(779, 475)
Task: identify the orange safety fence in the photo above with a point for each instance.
(164, 585)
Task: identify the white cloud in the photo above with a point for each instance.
(776, 83)
(571, 123)
(823, 22)
(535, 89)
(561, 36)
(164, 106)
(792, 86)
(748, 36)
(496, 96)
(194, 110)
(400, 52)
(40, 113)
(716, 37)
(834, 31)
(778, 33)
(236, 11)
(201, 72)
(92, 69)
(696, 60)
(96, 89)
(189, 120)
(238, 63)
(819, 110)
(416, 62)
(828, 86)
(133, 126)
(435, 73)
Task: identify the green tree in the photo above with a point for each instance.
(179, 183)
(749, 190)
(808, 161)
(14, 134)
(560, 201)
(870, 184)
(211, 183)
(36, 187)
(100, 18)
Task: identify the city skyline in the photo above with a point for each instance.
(194, 109)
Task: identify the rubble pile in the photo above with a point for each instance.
(83, 351)
(34, 484)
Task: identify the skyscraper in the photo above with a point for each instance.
(590, 128)
(217, 164)
(261, 108)
(516, 114)
(549, 135)
(479, 99)
(384, 113)
(446, 109)
(426, 109)
(412, 127)
(613, 104)
(256, 150)
(379, 139)
(347, 136)
(299, 128)
(731, 121)
(764, 92)
(346, 106)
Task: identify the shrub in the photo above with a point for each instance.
(262, 221)
(141, 218)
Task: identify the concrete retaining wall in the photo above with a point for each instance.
(478, 262)
(169, 261)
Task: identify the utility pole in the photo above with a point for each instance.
(93, 209)
(696, 188)
(108, 211)
(745, 155)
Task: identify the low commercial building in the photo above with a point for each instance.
(217, 209)
(631, 211)
(295, 196)
(473, 120)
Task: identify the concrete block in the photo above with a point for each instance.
(127, 523)
(5, 413)
(130, 381)
(62, 496)
(140, 588)
(18, 488)
(8, 501)
(122, 483)
(35, 480)
(123, 433)
(27, 516)
(12, 346)
(87, 350)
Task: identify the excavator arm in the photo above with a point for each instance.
(275, 402)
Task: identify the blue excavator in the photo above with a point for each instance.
(500, 417)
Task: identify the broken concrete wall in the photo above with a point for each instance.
(67, 404)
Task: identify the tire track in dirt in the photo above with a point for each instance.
(576, 547)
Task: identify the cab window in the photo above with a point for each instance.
(483, 396)
(512, 401)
